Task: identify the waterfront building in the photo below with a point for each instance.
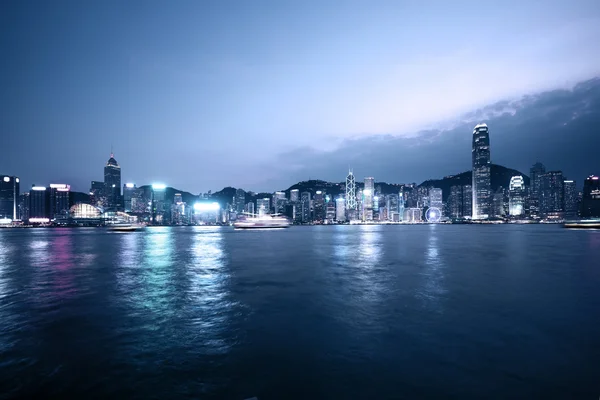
(59, 204)
(98, 194)
(330, 211)
(350, 191)
(435, 198)
(319, 206)
(590, 202)
(158, 203)
(340, 209)
(38, 204)
(240, 200)
(279, 202)
(112, 183)
(263, 206)
(392, 208)
(516, 196)
(571, 194)
(294, 195)
(9, 197)
(128, 194)
(552, 195)
(401, 203)
(249, 208)
(535, 180)
(368, 195)
(455, 202)
(305, 207)
(482, 190)
(23, 209)
(413, 214)
(498, 209)
(467, 195)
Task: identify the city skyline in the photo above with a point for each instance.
(221, 92)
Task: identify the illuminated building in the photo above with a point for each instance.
(481, 172)
(294, 195)
(129, 190)
(499, 207)
(59, 200)
(516, 196)
(158, 202)
(263, 206)
(38, 203)
(401, 202)
(590, 203)
(279, 202)
(207, 212)
(392, 208)
(552, 201)
(98, 194)
(367, 199)
(319, 206)
(535, 179)
(413, 214)
(250, 208)
(112, 183)
(467, 195)
(330, 211)
(9, 196)
(340, 209)
(240, 200)
(350, 191)
(455, 202)
(570, 199)
(23, 209)
(435, 199)
(305, 206)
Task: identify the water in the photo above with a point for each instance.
(323, 312)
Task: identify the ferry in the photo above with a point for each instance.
(124, 227)
(583, 224)
(262, 221)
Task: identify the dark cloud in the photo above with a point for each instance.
(560, 128)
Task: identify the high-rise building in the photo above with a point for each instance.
(129, 190)
(98, 194)
(340, 209)
(350, 191)
(112, 183)
(455, 202)
(23, 209)
(250, 208)
(482, 190)
(294, 196)
(367, 199)
(498, 208)
(319, 206)
(590, 202)
(571, 209)
(279, 202)
(435, 198)
(263, 206)
(552, 203)
(240, 200)
(535, 179)
(329, 211)
(516, 196)
(392, 208)
(467, 195)
(401, 203)
(59, 204)
(38, 203)
(413, 214)
(305, 206)
(159, 204)
(9, 197)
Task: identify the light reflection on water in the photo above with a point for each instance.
(432, 288)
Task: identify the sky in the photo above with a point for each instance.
(260, 94)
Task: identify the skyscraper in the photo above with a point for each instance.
(455, 202)
(570, 199)
(392, 206)
(305, 206)
(481, 172)
(516, 196)
(340, 209)
(535, 178)
(467, 195)
(59, 200)
(350, 191)
(263, 206)
(367, 202)
(279, 202)
(319, 206)
(590, 203)
(240, 200)
(112, 183)
(9, 197)
(38, 203)
(129, 190)
(294, 195)
(552, 203)
(435, 198)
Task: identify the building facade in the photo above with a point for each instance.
(481, 172)
(350, 191)
(516, 196)
(9, 197)
(590, 202)
(340, 209)
(60, 203)
(552, 201)
(112, 183)
(38, 203)
(535, 181)
(571, 208)
(305, 207)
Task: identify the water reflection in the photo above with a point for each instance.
(210, 305)
(370, 245)
(432, 289)
(61, 254)
(5, 253)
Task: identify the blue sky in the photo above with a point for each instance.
(201, 94)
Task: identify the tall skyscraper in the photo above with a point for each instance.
(9, 197)
(294, 196)
(499, 203)
(340, 209)
(305, 206)
(368, 195)
(401, 203)
(59, 200)
(112, 183)
(590, 203)
(38, 203)
(240, 200)
(392, 208)
(350, 191)
(129, 190)
(279, 202)
(570, 199)
(319, 206)
(250, 208)
(467, 195)
(482, 191)
(455, 202)
(552, 203)
(435, 198)
(263, 206)
(535, 179)
(516, 196)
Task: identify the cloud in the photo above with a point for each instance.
(558, 128)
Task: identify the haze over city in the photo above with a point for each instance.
(261, 95)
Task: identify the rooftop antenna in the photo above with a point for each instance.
(111, 151)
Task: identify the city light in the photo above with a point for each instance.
(38, 188)
(6, 179)
(204, 207)
(5, 221)
(159, 186)
(367, 192)
(39, 220)
(17, 179)
(60, 187)
(129, 185)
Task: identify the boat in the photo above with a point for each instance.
(583, 224)
(125, 227)
(262, 221)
